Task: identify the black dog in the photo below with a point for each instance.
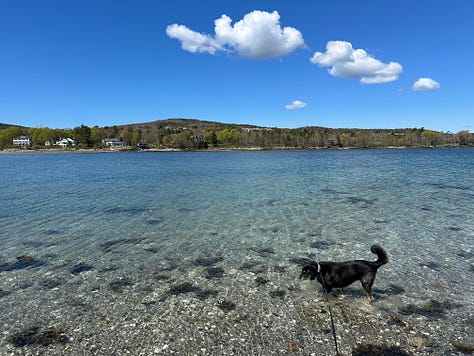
(341, 274)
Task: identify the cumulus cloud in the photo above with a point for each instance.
(426, 84)
(258, 35)
(191, 41)
(347, 62)
(297, 104)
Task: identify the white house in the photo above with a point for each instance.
(22, 141)
(65, 142)
(112, 142)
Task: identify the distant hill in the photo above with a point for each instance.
(185, 123)
(4, 126)
(181, 133)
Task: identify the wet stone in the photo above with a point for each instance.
(277, 293)
(258, 269)
(120, 284)
(395, 289)
(363, 202)
(206, 293)
(108, 245)
(265, 251)
(226, 305)
(167, 267)
(53, 232)
(261, 281)
(299, 261)
(465, 254)
(214, 272)
(374, 350)
(34, 336)
(80, 267)
(279, 269)
(249, 265)
(161, 277)
(433, 310)
(431, 265)
(22, 262)
(183, 288)
(153, 222)
(126, 211)
(208, 261)
(320, 245)
(49, 283)
(464, 348)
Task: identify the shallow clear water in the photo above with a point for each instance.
(143, 251)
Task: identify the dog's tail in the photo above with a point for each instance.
(381, 254)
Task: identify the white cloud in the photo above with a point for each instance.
(297, 104)
(258, 35)
(192, 41)
(347, 62)
(426, 84)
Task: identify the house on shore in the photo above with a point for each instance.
(63, 142)
(112, 142)
(142, 144)
(22, 141)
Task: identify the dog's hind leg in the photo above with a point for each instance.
(367, 281)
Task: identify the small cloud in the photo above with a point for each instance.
(347, 62)
(426, 84)
(258, 36)
(297, 104)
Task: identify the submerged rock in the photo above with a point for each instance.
(214, 272)
(226, 305)
(375, 350)
(120, 284)
(182, 288)
(34, 336)
(22, 262)
(80, 267)
(433, 309)
(208, 261)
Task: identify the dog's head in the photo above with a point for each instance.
(309, 271)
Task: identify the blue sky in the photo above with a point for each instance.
(270, 63)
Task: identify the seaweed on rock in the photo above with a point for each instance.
(374, 350)
(206, 293)
(183, 288)
(81, 267)
(22, 262)
(33, 336)
(463, 348)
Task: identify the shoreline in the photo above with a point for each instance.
(226, 149)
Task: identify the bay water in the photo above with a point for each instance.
(200, 252)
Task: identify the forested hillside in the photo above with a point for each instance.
(196, 134)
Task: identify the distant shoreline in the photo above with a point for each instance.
(226, 149)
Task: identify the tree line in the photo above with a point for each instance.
(195, 134)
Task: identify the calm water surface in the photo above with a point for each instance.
(152, 252)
